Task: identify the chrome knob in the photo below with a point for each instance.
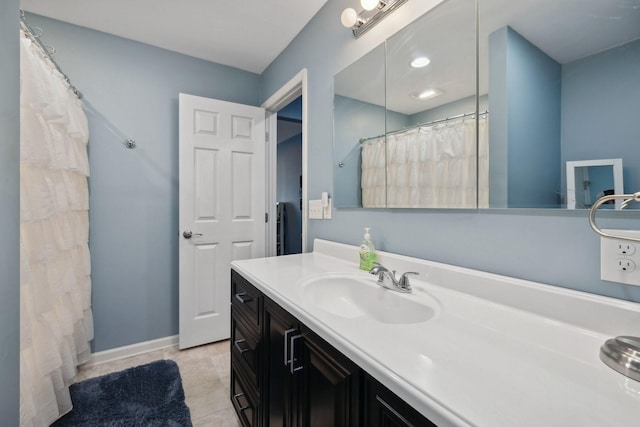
(187, 234)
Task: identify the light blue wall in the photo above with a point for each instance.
(601, 108)
(9, 213)
(461, 106)
(525, 88)
(550, 246)
(134, 193)
(288, 191)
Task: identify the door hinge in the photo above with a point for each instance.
(266, 217)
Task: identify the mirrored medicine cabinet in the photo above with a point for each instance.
(546, 99)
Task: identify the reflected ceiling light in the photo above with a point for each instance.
(427, 94)
(374, 12)
(421, 61)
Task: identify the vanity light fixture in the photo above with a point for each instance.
(370, 4)
(427, 94)
(421, 61)
(374, 12)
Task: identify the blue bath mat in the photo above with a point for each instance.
(147, 395)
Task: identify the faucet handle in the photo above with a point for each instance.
(377, 268)
(404, 280)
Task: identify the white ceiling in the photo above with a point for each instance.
(246, 34)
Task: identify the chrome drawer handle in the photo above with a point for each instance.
(243, 297)
(242, 350)
(236, 398)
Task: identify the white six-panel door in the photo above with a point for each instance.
(222, 208)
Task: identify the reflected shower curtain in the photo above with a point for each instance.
(431, 166)
(373, 181)
(55, 286)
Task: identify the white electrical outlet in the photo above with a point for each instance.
(619, 259)
(315, 209)
(626, 265)
(626, 248)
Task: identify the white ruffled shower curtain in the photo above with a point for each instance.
(427, 167)
(56, 322)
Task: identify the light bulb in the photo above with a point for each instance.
(369, 4)
(349, 17)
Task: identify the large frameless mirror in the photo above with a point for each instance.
(557, 84)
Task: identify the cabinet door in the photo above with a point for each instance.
(330, 385)
(280, 390)
(384, 409)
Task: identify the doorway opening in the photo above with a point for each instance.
(289, 104)
(289, 179)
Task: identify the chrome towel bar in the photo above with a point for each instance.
(628, 198)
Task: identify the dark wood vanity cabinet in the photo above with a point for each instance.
(283, 374)
(247, 351)
(385, 409)
(308, 382)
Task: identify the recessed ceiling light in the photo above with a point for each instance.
(427, 94)
(419, 62)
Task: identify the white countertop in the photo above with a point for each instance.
(497, 352)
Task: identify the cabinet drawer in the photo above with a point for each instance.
(245, 348)
(246, 299)
(245, 404)
(385, 409)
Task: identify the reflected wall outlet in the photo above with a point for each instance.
(619, 259)
(315, 209)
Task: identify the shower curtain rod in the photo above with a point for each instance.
(446, 119)
(35, 37)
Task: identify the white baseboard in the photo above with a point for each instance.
(132, 350)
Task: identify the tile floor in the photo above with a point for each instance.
(205, 379)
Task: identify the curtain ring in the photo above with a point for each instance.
(50, 49)
(37, 32)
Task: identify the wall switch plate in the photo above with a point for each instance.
(327, 209)
(619, 259)
(315, 209)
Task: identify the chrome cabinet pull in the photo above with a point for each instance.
(236, 398)
(243, 297)
(237, 344)
(286, 345)
(292, 357)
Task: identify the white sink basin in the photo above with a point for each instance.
(352, 297)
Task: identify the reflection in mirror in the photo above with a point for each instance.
(421, 153)
(359, 115)
(431, 110)
(562, 83)
(588, 180)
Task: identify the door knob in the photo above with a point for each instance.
(188, 234)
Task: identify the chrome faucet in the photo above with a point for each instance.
(388, 279)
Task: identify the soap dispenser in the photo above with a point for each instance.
(367, 252)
